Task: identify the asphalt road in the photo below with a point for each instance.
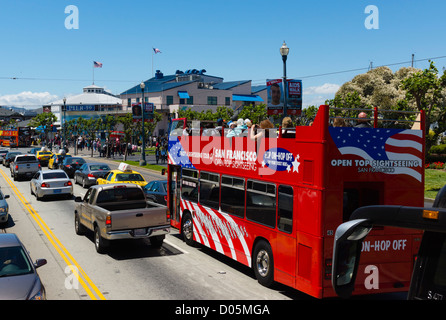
(131, 270)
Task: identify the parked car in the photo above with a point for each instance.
(19, 279)
(10, 156)
(51, 183)
(156, 191)
(4, 208)
(88, 173)
(71, 164)
(57, 159)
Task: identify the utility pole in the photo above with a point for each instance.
(413, 55)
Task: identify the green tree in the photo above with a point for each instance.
(44, 120)
(427, 89)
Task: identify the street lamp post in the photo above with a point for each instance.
(64, 122)
(284, 50)
(142, 161)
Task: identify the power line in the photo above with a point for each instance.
(362, 69)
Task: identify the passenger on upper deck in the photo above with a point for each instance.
(339, 122)
(265, 125)
(288, 131)
(363, 121)
(234, 130)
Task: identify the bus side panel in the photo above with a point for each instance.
(309, 267)
(308, 217)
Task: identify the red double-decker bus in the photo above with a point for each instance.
(274, 203)
(20, 137)
(9, 138)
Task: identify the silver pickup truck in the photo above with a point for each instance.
(24, 165)
(120, 211)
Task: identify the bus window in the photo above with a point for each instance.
(189, 185)
(285, 208)
(261, 203)
(359, 195)
(209, 190)
(233, 196)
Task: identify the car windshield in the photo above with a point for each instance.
(13, 154)
(44, 153)
(26, 158)
(75, 160)
(129, 177)
(120, 194)
(54, 175)
(13, 262)
(99, 167)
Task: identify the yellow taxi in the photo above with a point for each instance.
(124, 174)
(44, 156)
(56, 159)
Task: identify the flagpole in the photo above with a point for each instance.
(152, 62)
(93, 72)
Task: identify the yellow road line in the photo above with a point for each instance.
(63, 252)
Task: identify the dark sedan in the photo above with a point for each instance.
(70, 165)
(18, 276)
(90, 172)
(10, 156)
(156, 191)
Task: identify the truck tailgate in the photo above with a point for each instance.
(138, 218)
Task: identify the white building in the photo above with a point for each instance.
(94, 102)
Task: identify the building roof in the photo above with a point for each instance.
(255, 89)
(229, 84)
(92, 95)
(156, 86)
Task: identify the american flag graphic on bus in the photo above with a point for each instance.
(399, 151)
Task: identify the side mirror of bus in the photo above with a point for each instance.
(346, 254)
(440, 199)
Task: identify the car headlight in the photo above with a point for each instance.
(3, 210)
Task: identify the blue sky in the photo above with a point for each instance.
(233, 39)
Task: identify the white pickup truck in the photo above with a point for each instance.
(120, 211)
(24, 165)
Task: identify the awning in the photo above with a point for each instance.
(245, 97)
(183, 94)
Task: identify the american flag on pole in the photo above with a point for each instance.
(156, 50)
(398, 149)
(97, 64)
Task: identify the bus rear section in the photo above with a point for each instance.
(277, 201)
(376, 166)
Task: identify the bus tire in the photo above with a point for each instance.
(263, 263)
(187, 229)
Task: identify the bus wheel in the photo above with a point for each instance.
(263, 263)
(187, 229)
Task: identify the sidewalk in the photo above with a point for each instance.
(150, 158)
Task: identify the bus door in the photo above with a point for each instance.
(174, 196)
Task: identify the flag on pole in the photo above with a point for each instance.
(97, 64)
(156, 50)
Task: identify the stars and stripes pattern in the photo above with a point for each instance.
(383, 144)
(97, 64)
(156, 50)
(219, 232)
